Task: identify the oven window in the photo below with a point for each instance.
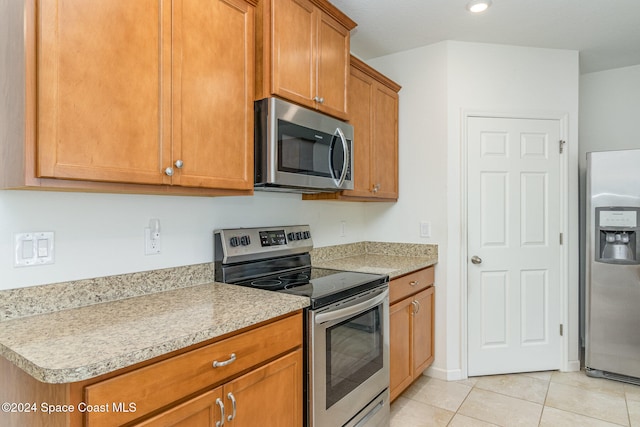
(354, 353)
(304, 151)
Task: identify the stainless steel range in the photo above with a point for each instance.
(347, 323)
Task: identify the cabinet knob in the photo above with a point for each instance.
(376, 188)
(168, 171)
(318, 99)
(414, 282)
(178, 164)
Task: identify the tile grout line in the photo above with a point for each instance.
(544, 402)
(460, 406)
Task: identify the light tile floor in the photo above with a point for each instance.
(553, 399)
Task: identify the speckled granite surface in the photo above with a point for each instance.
(16, 303)
(77, 330)
(394, 259)
(80, 343)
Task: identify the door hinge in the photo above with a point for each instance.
(561, 330)
(562, 145)
(560, 238)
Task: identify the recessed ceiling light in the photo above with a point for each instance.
(477, 6)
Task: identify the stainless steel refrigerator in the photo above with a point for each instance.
(612, 340)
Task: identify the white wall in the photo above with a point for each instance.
(422, 160)
(609, 115)
(103, 234)
(609, 111)
(441, 81)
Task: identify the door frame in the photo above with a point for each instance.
(563, 121)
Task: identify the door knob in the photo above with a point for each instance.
(476, 259)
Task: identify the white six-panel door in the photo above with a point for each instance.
(514, 234)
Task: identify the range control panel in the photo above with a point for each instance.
(250, 244)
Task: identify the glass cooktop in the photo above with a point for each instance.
(322, 286)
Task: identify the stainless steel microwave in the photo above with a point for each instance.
(300, 150)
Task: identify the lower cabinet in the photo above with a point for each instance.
(267, 396)
(411, 328)
(251, 378)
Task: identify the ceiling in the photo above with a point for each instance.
(605, 32)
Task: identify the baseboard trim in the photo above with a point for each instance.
(572, 366)
(443, 374)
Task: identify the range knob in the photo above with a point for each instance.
(291, 236)
(307, 235)
(234, 241)
(245, 240)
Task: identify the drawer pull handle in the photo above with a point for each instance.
(230, 360)
(414, 282)
(221, 405)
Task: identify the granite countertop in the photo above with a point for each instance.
(80, 343)
(78, 330)
(393, 259)
(392, 265)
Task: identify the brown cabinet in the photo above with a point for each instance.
(267, 396)
(411, 328)
(150, 93)
(373, 112)
(303, 54)
(258, 372)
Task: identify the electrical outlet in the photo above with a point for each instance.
(343, 228)
(151, 242)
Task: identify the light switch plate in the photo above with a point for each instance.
(34, 248)
(425, 229)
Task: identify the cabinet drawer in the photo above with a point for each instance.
(155, 386)
(410, 284)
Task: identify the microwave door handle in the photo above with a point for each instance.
(345, 162)
(350, 311)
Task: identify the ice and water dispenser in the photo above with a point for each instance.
(617, 235)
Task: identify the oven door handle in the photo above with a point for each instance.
(350, 311)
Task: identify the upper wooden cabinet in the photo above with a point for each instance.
(303, 54)
(373, 112)
(212, 93)
(149, 92)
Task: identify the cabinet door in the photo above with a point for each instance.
(100, 82)
(201, 411)
(333, 67)
(385, 143)
(423, 331)
(213, 87)
(294, 28)
(360, 103)
(400, 344)
(270, 396)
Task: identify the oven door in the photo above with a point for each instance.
(349, 361)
